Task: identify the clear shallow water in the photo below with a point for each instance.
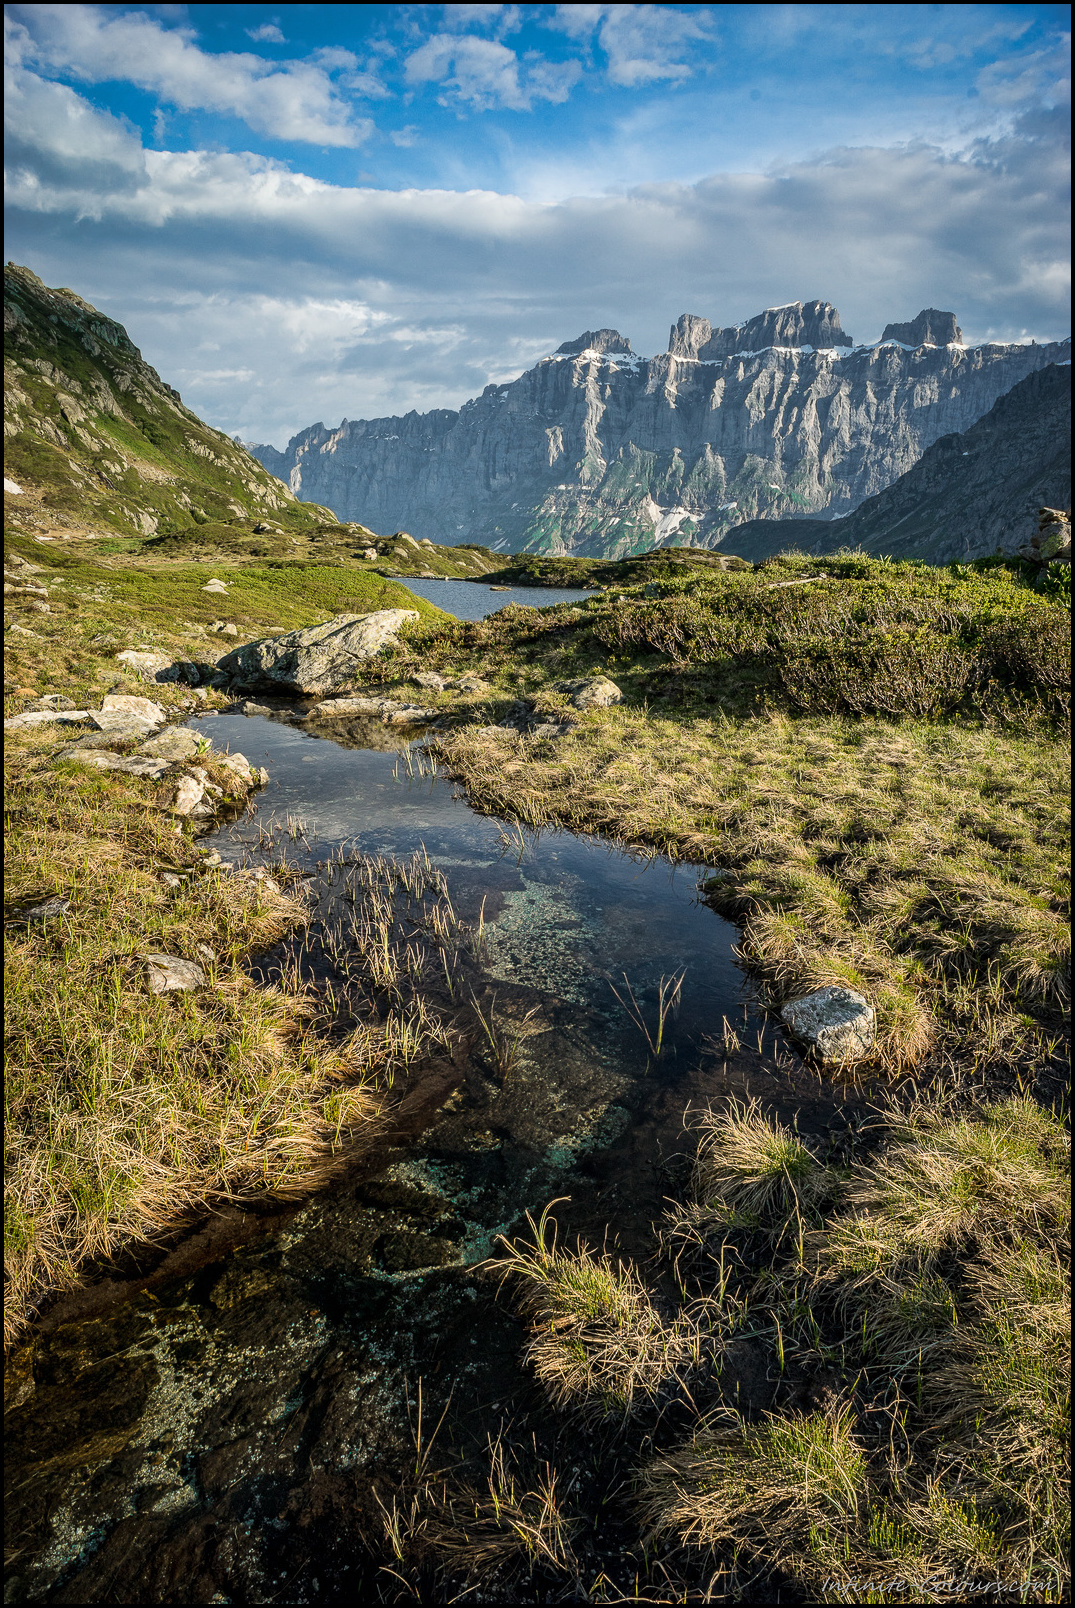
(565, 912)
(470, 600)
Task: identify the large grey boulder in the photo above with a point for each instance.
(591, 692)
(837, 1023)
(317, 659)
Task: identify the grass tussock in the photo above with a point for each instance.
(519, 1521)
(931, 1290)
(598, 1343)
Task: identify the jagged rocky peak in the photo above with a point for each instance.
(596, 340)
(930, 328)
(812, 323)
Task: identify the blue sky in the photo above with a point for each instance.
(304, 212)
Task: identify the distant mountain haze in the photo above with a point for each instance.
(599, 452)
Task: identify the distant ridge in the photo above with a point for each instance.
(95, 440)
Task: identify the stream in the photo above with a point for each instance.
(223, 1432)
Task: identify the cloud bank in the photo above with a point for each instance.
(274, 298)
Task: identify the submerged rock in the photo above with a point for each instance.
(837, 1023)
(317, 659)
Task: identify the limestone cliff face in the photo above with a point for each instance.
(968, 496)
(599, 452)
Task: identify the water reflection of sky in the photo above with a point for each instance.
(470, 600)
(568, 911)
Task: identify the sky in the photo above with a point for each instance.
(304, 213)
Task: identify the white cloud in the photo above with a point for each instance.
(286, 100)
(483, 73)
(644, 44)
(269, 33)
(405, 137)
(500, 20)
(1041, 77)
(364, 302)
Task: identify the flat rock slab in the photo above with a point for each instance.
(382, 708)
(319, 659)
(174, 743)
(106, 739)
(133, 765)
(165, 973)
(49, 717)
(837, 1023)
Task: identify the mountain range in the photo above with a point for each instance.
(599, 452)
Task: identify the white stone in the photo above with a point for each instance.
(12, 487)
(214, 586)
(148, 664)
(167, 972)
(189, 792)
(141, 708)
(837, 1023)
(591, 692)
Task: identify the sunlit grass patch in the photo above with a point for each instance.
(750, 1169)
(771, 1484)
(939, 1179)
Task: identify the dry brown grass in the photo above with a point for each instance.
(598, 1343)
(519, 1521)
(932, 1289)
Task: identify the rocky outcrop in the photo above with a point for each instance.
(318, 659)
(969, 494)
(930, 328)
(595, 451)
(1052, 544)
(596, 340)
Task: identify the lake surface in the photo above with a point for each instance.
(229, 1434)
(470, 600)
